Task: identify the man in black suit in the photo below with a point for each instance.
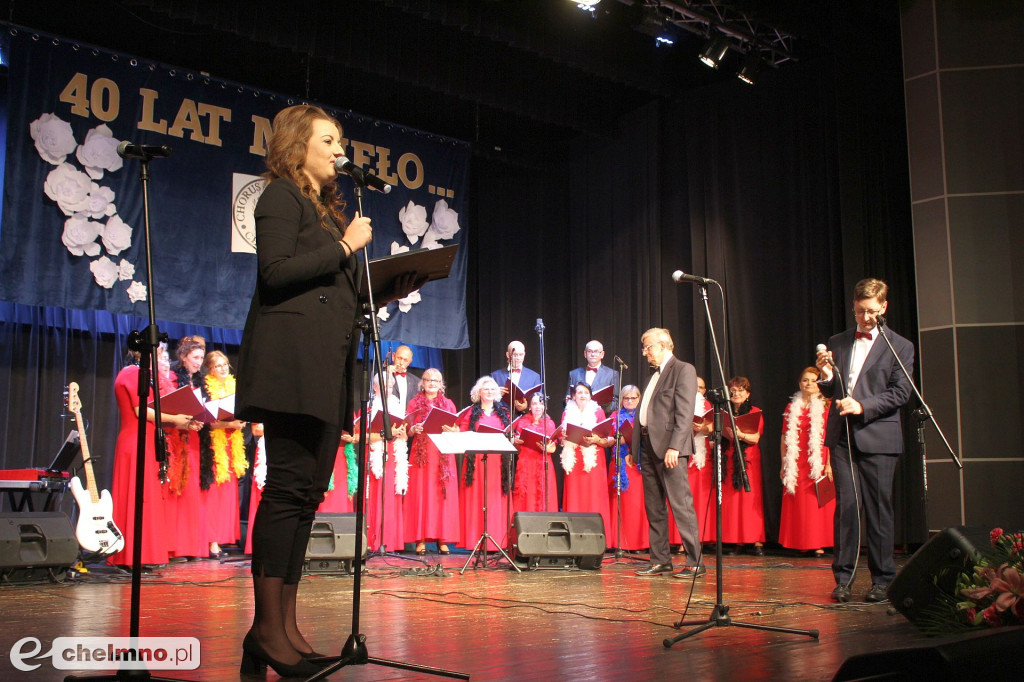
(865, 435)
(595, 375)
(662, 442)
(523, 377)
(407, 384)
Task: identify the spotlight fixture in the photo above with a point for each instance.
(751, 67)
(586, 5)
(714, 51)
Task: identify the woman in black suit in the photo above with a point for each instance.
(306, 289)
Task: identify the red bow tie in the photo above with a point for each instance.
(517, 371)
(863, 335)
(399, 374)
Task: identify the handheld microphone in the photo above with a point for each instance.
(129, 150)
(619, 360)
(540, 325)
(680, 276)
(881, 320)
(822, 348)
(363, 178)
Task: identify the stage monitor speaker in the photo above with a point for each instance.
(36, 546)
(986, 655)
(570, 540)
(932, 571)
(332, 544)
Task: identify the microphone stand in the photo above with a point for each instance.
(354, 651)
(720, 613)
(617, 462)
(146, 343)
(924, 413)
(544, 396)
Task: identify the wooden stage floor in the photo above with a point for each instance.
(493, 624)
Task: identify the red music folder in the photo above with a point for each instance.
(185, 401)
(533, 439)
(516, 394)
(438, 418)
(603, 396)
(825, 490)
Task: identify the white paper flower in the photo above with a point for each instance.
(431, 240)
(117, 235)
(69, 187)
(137, 292)
(104, 272)
(383, 314)
(80, 235)
(406, 304)
(100, 202)
(53, 137)
(446, 220)
(99, 152)
(398, 248)
(125, 270)
(414, 221)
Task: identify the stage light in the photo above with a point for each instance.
(586, 5)
(714, 51)
(751, 67)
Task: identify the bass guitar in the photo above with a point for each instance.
(95, 530)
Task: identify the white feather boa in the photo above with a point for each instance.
(587, 418)
(815, 442)
(259, 471)
(700, 452)
(400, 451)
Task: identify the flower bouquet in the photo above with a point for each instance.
(989, 590)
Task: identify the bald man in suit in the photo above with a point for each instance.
(662, 443)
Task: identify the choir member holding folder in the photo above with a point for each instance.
(432, 503)
(535, 490)
(634, 515)
(743, 512)
(806, 522)
(586, 472)
(488, 414)
(228, 455)
(388, 474)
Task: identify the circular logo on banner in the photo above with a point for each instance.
(243, 208)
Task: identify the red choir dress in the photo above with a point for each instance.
(259, 479)
(386, 485)
(472, 492)
(340, 497)
(432, 503)
(529, 490)
(743, 512)
(187, 525)
(803, 525)
(586, 484)
(155, 537)
(702, 485)
(634, 516)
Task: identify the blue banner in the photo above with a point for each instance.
(71, 229)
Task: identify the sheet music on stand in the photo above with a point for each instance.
(459, 442)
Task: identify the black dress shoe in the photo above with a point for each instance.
(655, 569)
(255, 660)
(691, 572)
(758, 550)
(876, 594)
(841, 593)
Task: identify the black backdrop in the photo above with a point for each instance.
(786, 193)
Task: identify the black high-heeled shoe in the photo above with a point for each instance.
(255, 660)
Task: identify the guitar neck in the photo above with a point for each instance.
(90, 478)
